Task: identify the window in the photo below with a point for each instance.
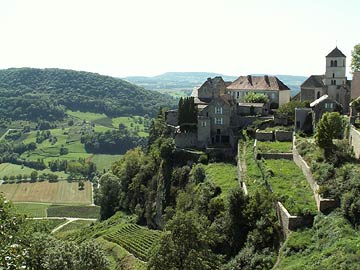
(335, 63)
(218, 110)
(272, 95)
(318, 94)
(237, 94)
(203, 123)
(333, 75)
(329, 105)
(218, 121)
(331, 63)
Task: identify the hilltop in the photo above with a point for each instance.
(187, 80)
(29, 93)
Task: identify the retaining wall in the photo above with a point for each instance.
(264, 136)
(323, 204)
(184, 140)
(290, 223)
(354, 140)
(284, 136)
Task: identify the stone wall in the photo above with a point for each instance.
(323, 204)
(290, 223)
(288, 156)
(240, 172)
(354, 140)
(184, 140)
(283, 136)
(264, 136)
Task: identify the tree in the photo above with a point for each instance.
(355, 61)
(186, 246)
(256, 98)
(34, 176)
(288, 109)
(108, 195)
(327, 129)
(187, 114)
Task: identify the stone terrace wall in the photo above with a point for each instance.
(264, 136)
(283, 136)
(240, 172)
(184, 140)
(288, 156)
(355, 141)
(322, 204)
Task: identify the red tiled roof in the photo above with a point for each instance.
(258, 83)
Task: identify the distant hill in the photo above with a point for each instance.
(28, 93)
(188, 80)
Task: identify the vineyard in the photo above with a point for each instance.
(135, 239)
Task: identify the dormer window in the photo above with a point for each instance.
(218, 110)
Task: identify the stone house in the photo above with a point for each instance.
(277, 92)
(333, 83)
(322, 105)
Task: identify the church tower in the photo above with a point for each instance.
(335, 75)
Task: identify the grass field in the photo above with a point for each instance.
(87, 116)
(32, 209)
(61, 192)
(274, 147)
(104, 162)
(75, 211)
(291, 186)
(223, 175)
(8, 169)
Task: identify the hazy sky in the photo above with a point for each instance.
(149, 37)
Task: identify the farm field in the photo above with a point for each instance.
(32, 209)
(8, 169)
(223, 175)
(135, 239)
(103, 161)
(76, 211)
(61, 192)
(291, 186)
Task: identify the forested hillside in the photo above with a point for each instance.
(32, 94)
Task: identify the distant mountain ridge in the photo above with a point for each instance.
(189, 80)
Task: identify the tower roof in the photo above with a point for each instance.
(336, 53)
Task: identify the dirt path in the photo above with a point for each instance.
(69, 220)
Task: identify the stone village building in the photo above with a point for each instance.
(221, 107)
(333, 83)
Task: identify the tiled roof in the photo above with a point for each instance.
(314, 81)
(336, 53)
(258, 83)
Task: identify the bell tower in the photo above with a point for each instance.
(335, 75)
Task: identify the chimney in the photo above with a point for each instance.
(267, 79)
(249, 79)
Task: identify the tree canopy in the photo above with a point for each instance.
(28, 93)
(355, 61)
(256, 98)
(327, 129)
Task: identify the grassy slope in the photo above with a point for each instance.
(332, 243)
(103, 161)
(73, 211)
(32, 209)
(222, 174)
(291, 186)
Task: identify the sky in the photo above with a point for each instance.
(149, 37)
